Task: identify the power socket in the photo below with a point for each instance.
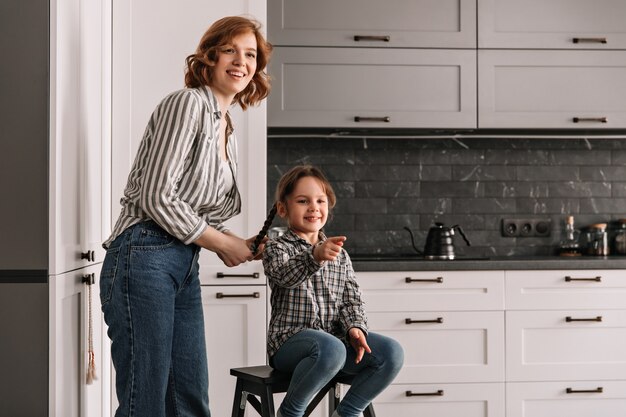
(526, 227)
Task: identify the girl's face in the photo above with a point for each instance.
(306, 208)
(235, 66)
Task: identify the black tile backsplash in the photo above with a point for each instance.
(384, 185)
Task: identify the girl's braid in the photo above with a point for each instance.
(263, 232)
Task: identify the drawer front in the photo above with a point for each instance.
(551, 399)
(393, 23)
(446, 346)
(432, 290)
(552, 89)
(441, 400)
(565, 345)
(554, 290)
(338, 87)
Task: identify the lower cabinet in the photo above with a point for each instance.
(235, 328)
(70, 303)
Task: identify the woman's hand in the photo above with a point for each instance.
(231, 249)
(259, 249)
(329, 249)
(359, 343)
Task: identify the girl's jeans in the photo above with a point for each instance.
(315, 357)
(150, 294)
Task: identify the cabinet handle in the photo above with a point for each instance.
(589, 40)
(590, 119)
(253, 295)
(438, 393)
(89, 255)
(384, 119)
(385, 38)
(409, 280)
(569, 319)
(223, 275)
(437, 320)
(582, 391)
(595, 279)
(89, 279)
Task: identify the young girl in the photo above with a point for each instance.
(318, 325)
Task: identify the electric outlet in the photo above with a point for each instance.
(526, 227)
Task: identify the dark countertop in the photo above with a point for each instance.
(494, 263)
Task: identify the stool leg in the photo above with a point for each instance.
(238, 407)
(333, 401)
(369, 411)
(267, 403)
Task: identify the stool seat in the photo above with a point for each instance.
(264, 381)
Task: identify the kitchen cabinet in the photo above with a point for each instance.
(553, 24)
(56, 120)
(235, 327)
(371, 23)
(565, 357)
(369, 88)
(451, 326)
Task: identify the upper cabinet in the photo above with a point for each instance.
(372, 23)
(552, 24)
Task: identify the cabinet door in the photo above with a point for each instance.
(556, 290)
(138, 37)
(565, 345)
(432, 290)
(552, 89)
(79, 132)
(394, 23)
(552, 24)
(446, 346)
(441, 400)
(336, 87)
(70, 304)
(566, 398)
(235, 327)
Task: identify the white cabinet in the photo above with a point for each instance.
(70, 306)
(235, 327)
(551, 89)
(552, 24)
(358, 87)
(570, 327)
(451, 326)
(372, 23)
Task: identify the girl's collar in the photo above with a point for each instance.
(293, 236)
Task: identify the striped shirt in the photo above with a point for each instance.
(177, 178)
(307, 294)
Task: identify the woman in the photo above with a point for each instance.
(180, 190)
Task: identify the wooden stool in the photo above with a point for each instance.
(263, 381)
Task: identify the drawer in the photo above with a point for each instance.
(560, 289)
(432, 290)
(547, 346)
(441, 400)
(551, 399)
(446, 346)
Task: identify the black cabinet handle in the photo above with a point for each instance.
(569, 319)
(384, 119)
(437, 320)
(89, 255)
(223, 275)
(438, 393)
(595, 279)
(253, 295)
(384, 38)
(590, 119)
(589, 40)
(89, 279)
(409, 280)
(583, 391)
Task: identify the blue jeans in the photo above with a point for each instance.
(315, 357)
(150, 294)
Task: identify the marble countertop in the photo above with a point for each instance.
(494, 263)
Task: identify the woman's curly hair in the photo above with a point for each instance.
(200, 65)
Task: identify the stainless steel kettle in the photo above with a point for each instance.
(439, 242)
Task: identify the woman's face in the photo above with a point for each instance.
(235, 66)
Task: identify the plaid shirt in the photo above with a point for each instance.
(309, 295)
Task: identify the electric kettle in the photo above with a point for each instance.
(439, 242)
